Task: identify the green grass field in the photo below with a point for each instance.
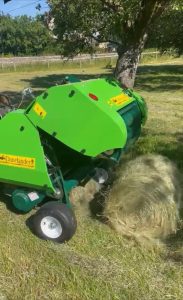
(98, 264)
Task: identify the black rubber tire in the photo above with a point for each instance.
(62, 214)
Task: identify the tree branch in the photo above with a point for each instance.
(104, 40)
(150, 10)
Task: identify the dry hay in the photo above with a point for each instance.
(145, 199)
(81, 196)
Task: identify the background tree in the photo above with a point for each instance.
(24, 36)
(167, 32)
(125, 23)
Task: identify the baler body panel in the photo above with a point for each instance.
(84, 115)
(22, 159)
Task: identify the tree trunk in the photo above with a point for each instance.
(126, 66)
(135, 37)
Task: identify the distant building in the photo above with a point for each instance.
(102, 45)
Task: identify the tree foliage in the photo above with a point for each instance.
(167, 32)
(23, 35)
(77, 22)
(126, 23)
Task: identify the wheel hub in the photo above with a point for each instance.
(51, 227)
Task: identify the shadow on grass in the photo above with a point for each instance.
(163, 68)
(173, 152)
(7, 200)
(150, 78)
(174, 244)
(160, 143)
(159, 78)
(56, 79)
(39, 84)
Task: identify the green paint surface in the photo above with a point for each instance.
(84, 124)
(19, 138)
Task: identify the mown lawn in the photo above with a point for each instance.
(97, 263)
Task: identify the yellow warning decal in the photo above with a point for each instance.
(39, 110)
(17, 161)
(118, 100)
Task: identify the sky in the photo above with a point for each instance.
(23, 7)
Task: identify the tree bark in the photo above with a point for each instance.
(128, 59)
(135, 37)
(126, 67)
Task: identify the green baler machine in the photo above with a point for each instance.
(60, 141)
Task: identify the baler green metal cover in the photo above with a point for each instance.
(83, 115)
(21, 154)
